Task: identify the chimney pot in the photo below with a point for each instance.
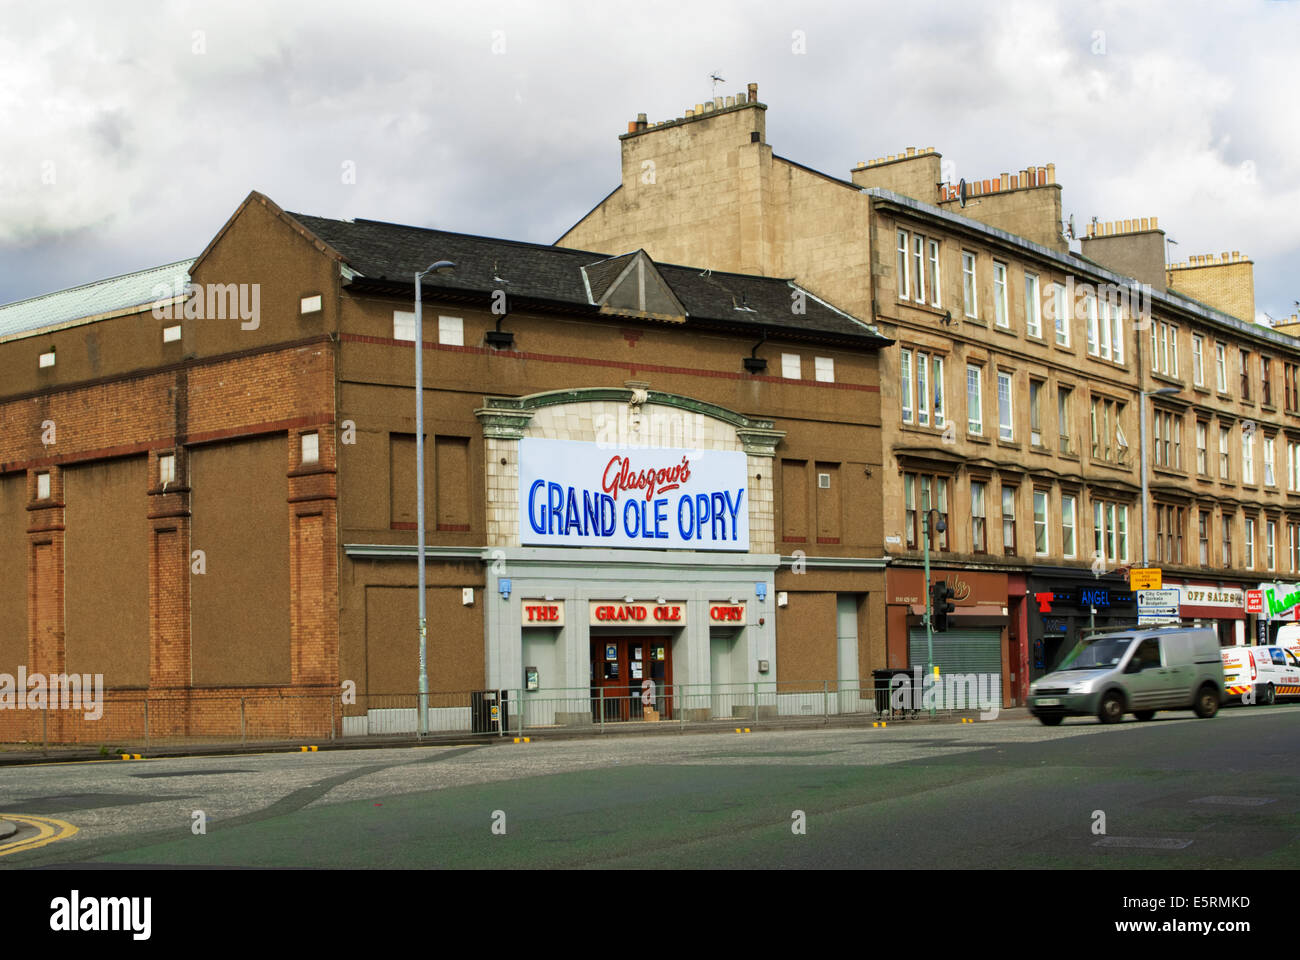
(631, 126)
(740, 99)
(731, 101)
(1154, 225)
(911, 151)
(641, 117)
(689, 113)
(717, 103)
(1051, 173)
(753, 91)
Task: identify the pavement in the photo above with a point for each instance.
(22, 754)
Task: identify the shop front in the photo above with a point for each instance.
(1064, 607)
(1280, 605)
(627, 581)
(1222, 604)
(979, 628)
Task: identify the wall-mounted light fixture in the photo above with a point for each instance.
(753, 362)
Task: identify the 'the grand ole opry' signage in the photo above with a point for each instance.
(585, 495)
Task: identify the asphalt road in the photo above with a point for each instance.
(1174, 793)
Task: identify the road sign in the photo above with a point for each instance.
(1254, 601)
(1154, 619)
(1170, 596)
(1144, 578)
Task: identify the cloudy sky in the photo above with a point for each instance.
(129, 132)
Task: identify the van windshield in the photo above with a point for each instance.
(1096, 654)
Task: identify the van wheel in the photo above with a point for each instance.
(1144, 715)
(1111, 709)
(1050, 720)
(1270, 695)
(1207, 702)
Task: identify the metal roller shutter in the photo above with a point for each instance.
(961, 651)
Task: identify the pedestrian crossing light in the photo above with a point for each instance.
(940, 604)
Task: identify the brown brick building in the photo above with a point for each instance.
(207, 494)
(1011, 398)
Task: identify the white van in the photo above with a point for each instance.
(1265, 672)
(1288, 638)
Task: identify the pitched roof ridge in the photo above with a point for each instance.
(188, 261)
(457, 233)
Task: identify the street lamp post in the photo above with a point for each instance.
(1142, 453)
(441, 267)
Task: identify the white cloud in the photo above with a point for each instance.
(153, 145)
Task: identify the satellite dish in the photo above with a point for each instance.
(961, 193)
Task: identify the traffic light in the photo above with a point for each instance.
(940, 595)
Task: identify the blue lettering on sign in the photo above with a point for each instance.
(631, 519)
(1094, 598)
(572, 519)
(701, 514)
(536, 519)
(685, 517)
(555, 506)
(608, 517)
(734, 508)
(558, 510)
(718, 503)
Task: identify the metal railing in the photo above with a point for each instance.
(129, 718)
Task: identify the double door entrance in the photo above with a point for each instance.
(624, 670)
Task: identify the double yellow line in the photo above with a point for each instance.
(48, 830)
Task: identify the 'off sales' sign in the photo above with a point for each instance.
(585, 495)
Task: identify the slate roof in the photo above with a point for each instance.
(540, 272)
(92, 299)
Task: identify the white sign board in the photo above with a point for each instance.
(1153, 619)
(1166, 598)
(588, 495)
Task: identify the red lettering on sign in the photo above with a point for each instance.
(620, 475)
